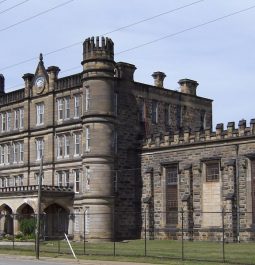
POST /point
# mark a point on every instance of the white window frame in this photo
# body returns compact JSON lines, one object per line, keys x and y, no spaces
{"x":2,"y":154}
{"x":8,"y":121}
{"x":60,"y":149}
{"x":77,"y":106}
{"x":21,"y":118}
{"x":154,"y":112}
{"x":40,"y":113}
{"x":3,"y":121}
{"x":88,"y":178}
{"x":8,"y":157}
{"x":15,"y":152}
{"x":67,"y":108}
{"x":77,"y":143}
{"x":66,"y":145}
{"x":21,"y":152}
{"x":39,"y":149}
{"x":87,"y":140}
{"x":77,"y":180}
{"x":16,"y":119}
{"x":60,"y":106}
{"x":87,"y":99}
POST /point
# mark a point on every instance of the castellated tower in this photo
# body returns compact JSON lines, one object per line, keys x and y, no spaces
{"x":99,"y":134}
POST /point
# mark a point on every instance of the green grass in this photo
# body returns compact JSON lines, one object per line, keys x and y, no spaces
{"x":158,"y":251}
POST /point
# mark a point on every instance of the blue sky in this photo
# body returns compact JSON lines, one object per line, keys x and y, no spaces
{"x":220,"y":55}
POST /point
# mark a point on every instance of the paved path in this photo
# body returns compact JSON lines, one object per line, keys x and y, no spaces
{"x":26,"y":260}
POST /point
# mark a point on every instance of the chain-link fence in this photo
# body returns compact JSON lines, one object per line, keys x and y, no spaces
{"x":186,"y":235}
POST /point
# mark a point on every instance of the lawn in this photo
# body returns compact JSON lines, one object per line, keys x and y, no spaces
{"x":157,"y":251}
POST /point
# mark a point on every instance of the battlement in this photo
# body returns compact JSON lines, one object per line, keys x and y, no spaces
{"x":200,"y":136}
{"x":98,"y":48}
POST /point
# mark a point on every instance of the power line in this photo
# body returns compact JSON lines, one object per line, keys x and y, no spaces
{"x":37,"y":15}
{"x":171,"y":35}
{"x":2,"y":1}
{"x":106,"y":33}
{"x":12,"y":7}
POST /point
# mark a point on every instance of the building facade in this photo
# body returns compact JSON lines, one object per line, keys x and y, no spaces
{"x":90,"y":133}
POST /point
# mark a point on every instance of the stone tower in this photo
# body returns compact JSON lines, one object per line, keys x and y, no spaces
{"x":99,"y":122}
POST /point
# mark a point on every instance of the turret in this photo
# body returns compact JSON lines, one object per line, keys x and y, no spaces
{"x":99,"y":129}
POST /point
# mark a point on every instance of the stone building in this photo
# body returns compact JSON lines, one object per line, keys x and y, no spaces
{"x":88,"y":132}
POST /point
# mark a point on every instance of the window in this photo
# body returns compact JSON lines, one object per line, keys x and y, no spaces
{"x":21,"y":152}
{"x":77,"y":143}
{"x":8,"y":122}
{"x":88,"y":177}
{"x":76,"y":180}
{"x":154,"y":115}
{"x":167,"y":114}
{"x":18,"y":180}
{"x":59,"y":146}
{"x":37,"y":177}
{"x":212,"y":171}
{"x":87,"y":99}
{"x":67,"y":108}
{"x":15,"y":152}
{"x":39,"y":114}
{"x":67,"y":178}
{"x":39,"y":149}
{"x":171,"y":175}
{"x":3,"y":123}
{"x":60,"y":108}
{"x":76,"y":106}
{"x":67,"y":145}
{"x":142,"y":110}
{"x":2,"y":154}
{"x":16,"y":119}
{"x":8,"y":161}
{"x":60,"y":178}
{"x":21,"y":118}
{"x":87,"y":143}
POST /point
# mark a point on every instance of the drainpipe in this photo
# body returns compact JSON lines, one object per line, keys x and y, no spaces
{"x":237,"y":194}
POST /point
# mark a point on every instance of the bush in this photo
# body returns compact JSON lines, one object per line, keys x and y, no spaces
{"x":27,"y":226}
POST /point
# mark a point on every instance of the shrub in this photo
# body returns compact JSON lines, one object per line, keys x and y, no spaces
{"x":27,"y":226}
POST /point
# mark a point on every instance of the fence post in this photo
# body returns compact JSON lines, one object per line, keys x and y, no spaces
{"x":223,"y":235}
{"x":145,"y":236}
{"x":84,"y":232}
{"x":113,"y":232}
{"x":182,"y":235}
{"x":13,"y":229}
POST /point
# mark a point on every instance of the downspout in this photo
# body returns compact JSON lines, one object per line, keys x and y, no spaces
{"x":237,"y":194}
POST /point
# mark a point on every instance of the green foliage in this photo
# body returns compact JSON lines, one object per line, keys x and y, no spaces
{"x":27,"y":226}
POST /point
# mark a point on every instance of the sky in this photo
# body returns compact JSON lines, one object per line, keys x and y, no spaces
{"x":220,"y":55}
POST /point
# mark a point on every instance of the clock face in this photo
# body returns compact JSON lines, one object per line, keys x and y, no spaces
{"x":40,"y":83}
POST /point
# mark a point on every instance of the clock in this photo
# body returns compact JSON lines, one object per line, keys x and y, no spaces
{"x":40,"y":84}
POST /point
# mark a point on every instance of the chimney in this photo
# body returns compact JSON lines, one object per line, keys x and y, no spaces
{"x":28,"y":79}
{"x":1,"y":84}
{"x":53,"y":76}
{"x":125,"y":71}
{"x":158,"y":79}
{"x":188,"y":86}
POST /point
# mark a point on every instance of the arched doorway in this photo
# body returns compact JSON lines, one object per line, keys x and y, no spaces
{"x":56,"y":221}
{"x":27,"y":221}
{"x":6,"y":220}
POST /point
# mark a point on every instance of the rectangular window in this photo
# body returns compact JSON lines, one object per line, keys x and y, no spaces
{"x":87,"y":143}
{"x":60,"y":179}
{"x":154,"y":114}
{"x":37,"y":176}
{"x":212,"y":171}
{"x":39,"y":114}
{"x":16,"y":119}
{"x":87,"y":99}
{"x":8,"y":122}
{"x":3,"y":127}
{"x":60,"y":106}
{"x":39,"y":149}
{"x":21,"y":118}
{"x":77,"y":181}
{"x":67,"y":178}
{"x":2,"y":154}
{"x":167,"y":114}
{"x":76,"y":106}
{"x":18,"y":180}
{"x":142,"y":110}
{"x":59,"y":146}
{"x":88,"y":178}
{"x":8,"y":154}
{"x":77,"y":144}
{"x":67,"y":145}
{"x":171,"y":175}
{"x":15,"y":152}
{"x":67,"y":108}
{"x":21,"y":152}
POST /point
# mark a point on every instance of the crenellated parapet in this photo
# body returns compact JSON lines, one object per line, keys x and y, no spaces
{"x":200,"y":136}
{"x":98,"y":48}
